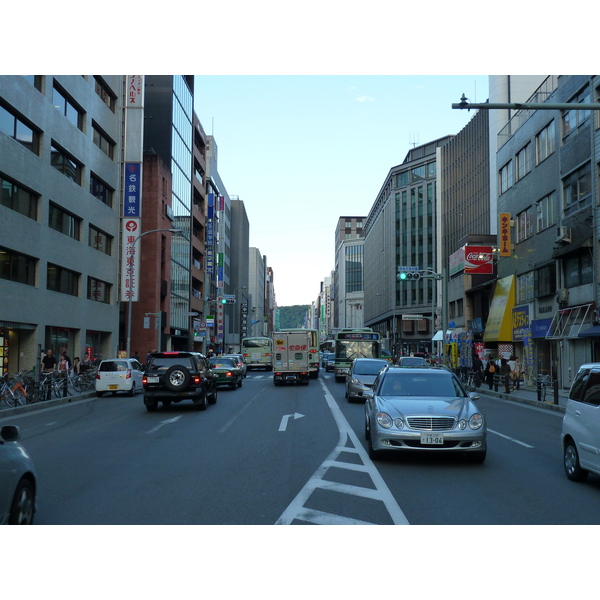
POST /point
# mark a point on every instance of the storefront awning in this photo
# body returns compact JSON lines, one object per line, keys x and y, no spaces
{"x":591,"y":332}
{"x":439,"y":336}
{"x":499,"y":323}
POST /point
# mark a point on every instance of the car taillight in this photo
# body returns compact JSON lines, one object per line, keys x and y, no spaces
{"x":197,"y":379}
{"x":128,"y":376}
{"x":229,"y":374}
{"x":144,"y":380}
{"x":98,"y":375}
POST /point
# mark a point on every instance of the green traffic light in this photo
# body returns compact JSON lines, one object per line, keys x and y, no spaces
{"x":402,"y":276}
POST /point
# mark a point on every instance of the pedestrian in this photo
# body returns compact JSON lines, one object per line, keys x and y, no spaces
{"x":513,"y":374}
{"x":505,"y":374}
{"x":477,"y":370}
{"x":518,"y":373}
{"x":137,"y":356}
{"x":86,"y":363}
{"x":48,"y":366}
{"x":63,"y":370}
{"x":75,"y":369}
{"x":490,"y":371}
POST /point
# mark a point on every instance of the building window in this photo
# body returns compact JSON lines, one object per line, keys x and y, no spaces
{"x":62,"y":280}
{"x":98,"y":291}
{"x":544,"y":143}
{"x":402,"y":179}
{"x":417,"y":174}
{"x":546,"y":212}
{"x":100,"y":241}
{"x":577,"y":190}
{"x":523,"y":224}
{"x":34,"y":80}
{"x":573,"y":119}
{"x":17,"y":267}
{"x":523,"y":162}
{"x":62,"y":221}
{"x":103,"y":142}
{"x":62,"y":162}
{"x":18,"y":199}
{"x":16,"y":129}
{"x":505,"y":177}
{"x":101,"y":191}
{"x":430,"y":170}
{"x":579,"y":270}
{"x":354,"y":268}
{"x":525,"y":288}
{"x":105,"y":93}
{"x":545,"y":281}
{"x":67,"y":107}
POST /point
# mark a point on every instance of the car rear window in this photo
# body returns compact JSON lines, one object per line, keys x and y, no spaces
{"x":369,"y":367}
{"x":222,"y":362}
{"x":166,"y":362}
{"x":114,"y":365}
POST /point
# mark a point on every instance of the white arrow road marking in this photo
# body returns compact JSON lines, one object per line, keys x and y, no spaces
{"x":284,"y":421}
{"x":167,"y":422}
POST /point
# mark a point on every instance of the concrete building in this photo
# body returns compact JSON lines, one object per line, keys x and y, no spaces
{"x":348,"y":279}
{"x":60,"y":145}
{"x":401,"y":231}
{"x":257,"y":316}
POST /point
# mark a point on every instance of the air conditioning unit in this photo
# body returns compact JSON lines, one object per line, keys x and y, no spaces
{"x":563,"y":234}
{"x":562,"y":296}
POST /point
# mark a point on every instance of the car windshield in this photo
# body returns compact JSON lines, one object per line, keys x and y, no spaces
{"x":368,"y":367}
{"x":399,"y":384}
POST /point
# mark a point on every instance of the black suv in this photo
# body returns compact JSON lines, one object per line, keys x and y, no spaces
{"x":176,"y":376}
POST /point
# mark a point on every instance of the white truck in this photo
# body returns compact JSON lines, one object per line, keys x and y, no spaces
{"x":291,"y":351}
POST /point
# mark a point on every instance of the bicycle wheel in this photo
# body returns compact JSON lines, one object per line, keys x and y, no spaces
{"x":79,"y":383}
{"x":20,"y":396}
{"x":8,"y":397}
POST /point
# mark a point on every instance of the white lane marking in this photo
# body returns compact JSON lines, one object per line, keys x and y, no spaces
{"x":286,"y":418}
{"x":166,"y":422}
{"x":296,"y":509}
{"x":506,"y":437}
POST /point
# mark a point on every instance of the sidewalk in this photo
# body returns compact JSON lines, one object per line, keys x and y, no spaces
{"x":529,"y":395}
{"x":6,"y":412}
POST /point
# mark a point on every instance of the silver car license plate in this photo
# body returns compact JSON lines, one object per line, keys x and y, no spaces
{"x":152,"y":380}
{"x":429,"y":438}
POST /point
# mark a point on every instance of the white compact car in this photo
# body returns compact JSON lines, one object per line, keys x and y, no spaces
{"x":581,"y":424}
{"x":119,"y":375}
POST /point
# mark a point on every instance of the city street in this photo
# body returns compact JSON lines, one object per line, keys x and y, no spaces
{"x":289,"y":455}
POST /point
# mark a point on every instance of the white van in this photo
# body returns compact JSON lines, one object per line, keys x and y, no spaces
{"x":581,"y":424}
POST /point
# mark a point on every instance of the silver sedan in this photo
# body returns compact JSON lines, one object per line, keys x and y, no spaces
{"x":423,"y":409}
{"x":361,"y":376}
{"x":17,"y":479}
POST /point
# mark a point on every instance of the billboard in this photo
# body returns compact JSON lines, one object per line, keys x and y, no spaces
{"x":479,"y":260}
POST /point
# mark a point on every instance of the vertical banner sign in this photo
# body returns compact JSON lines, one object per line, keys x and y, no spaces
{"x":131,"y":192}
{"x":505,"y":241}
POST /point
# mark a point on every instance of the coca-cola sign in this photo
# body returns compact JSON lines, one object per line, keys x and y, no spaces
{"x":479,"y":260}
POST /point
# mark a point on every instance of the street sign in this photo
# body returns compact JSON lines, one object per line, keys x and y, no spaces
{"x":411,"y":268}
{"x":412,"y":317}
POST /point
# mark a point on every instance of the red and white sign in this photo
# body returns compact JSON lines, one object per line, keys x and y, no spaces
{"x":479,"y":260}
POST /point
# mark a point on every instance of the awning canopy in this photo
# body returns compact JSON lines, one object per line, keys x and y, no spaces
{"x":568,"y":322}
{"x":438,"y":337}
{"x":591,"y":332}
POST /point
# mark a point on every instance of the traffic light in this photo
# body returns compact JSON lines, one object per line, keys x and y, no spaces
{"x":409,"y":275}
{"x":227,"y":300}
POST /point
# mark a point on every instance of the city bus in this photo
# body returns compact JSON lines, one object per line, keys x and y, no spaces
{"x":313,"y":355}
{"x":257,"y":352}
{"x":351,"y":344}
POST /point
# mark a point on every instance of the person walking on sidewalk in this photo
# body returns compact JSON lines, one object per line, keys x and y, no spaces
{"x":505,"y":374}
{"x":490,"y":371}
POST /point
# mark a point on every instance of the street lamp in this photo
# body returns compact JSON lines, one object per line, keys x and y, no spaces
{"x":131,"y":267}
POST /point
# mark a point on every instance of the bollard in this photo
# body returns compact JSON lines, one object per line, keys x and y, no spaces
{"x":555,"y":384}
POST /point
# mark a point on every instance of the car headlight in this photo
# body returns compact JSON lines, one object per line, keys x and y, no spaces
{"x":399,"y":423}
{"x":354,"y":381}
{"x":476,"y":421}
{"x":384,"y":420}
{"x":462,"y":424}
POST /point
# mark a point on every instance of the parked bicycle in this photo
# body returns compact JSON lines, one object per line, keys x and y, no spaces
{"x":56,"y":383}
{"x":85,"y":380}
{"x":12,"y":392}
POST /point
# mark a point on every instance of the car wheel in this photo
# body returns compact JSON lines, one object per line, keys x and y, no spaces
{"x":373,"y":454}
{"x":23,"y":504}
{"x":177,"y":378}
{"x":571,"y":461}
{"x":152,"y":407}
{"x":132,"y":390}
{"x":367,"y":428}
{"x":213,"y":396}
{"x":203,"y":404}
{"x":240,"y":382}
{"x":99,"y":394}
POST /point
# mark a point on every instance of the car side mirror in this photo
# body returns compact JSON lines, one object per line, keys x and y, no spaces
{"x":10,"y":433}
{"x":369,"y":395}
{"x":474,"y":396}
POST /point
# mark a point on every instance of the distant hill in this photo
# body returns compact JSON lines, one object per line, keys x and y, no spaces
{"x":292,"y":316}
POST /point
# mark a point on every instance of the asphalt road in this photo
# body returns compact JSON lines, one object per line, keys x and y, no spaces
{"x":289,"y":455}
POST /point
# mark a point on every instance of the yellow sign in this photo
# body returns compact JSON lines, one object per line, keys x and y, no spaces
{"x":504,"y":236}
{"x":499,"y":323}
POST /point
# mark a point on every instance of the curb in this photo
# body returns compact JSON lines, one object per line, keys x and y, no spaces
{"x":10,"y":412}
{"x":515,"y":397}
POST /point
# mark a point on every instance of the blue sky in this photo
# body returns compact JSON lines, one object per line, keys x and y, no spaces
{"x":301,"y":151}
